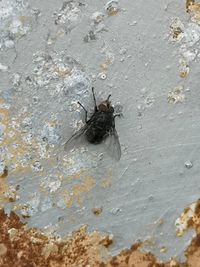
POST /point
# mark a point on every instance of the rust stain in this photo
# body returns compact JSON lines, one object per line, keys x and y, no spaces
{"x":176,"y":96}
{"x":76,"y":175}
{"x":7,"y":194}
{"x":194,"y":8}
{"x":175,"y":33}
{"x":15,"y":142}
{"x":25,"y":19}
{"x":62,"y":72}
{"x":107,"y":181}
{"x":68,"y":198}
{"x":104,"y":66}
{"x":76,"y":193}
{"x":186,"y":219}
{"x":183,"y":74}
{"x":163,"y":249}
{"x":97,"y":211}
{"x":113,"y":11}
{"x":189,"y":3}
{"x":107,"y":241}
{"x":4,"y":115}
{"x":193,"y":251}
{"x":5,"y":172}
{"x":3,"y":189}
{"x":21,"y":246}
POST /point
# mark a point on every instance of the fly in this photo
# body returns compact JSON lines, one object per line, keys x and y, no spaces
{"x":100,"y":127}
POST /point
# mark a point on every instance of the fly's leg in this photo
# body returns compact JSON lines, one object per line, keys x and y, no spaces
{"x":118,"y":115}
{"x":84,"y":110}
{"x":95,"y":103}
{"x":108,"y":97}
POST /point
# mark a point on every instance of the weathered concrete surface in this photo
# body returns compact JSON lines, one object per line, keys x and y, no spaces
{"x":51,"y":55}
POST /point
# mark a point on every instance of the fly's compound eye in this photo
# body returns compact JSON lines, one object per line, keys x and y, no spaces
{"x":111,"y":109}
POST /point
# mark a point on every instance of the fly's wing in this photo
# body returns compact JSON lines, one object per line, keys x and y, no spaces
{"x":75,"y":138}
{"x":113,"y":145}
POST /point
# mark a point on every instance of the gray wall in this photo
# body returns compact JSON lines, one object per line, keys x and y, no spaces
{"x":51,"y":54}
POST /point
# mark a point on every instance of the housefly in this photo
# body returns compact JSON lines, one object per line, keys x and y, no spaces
{"x":100,"y":127}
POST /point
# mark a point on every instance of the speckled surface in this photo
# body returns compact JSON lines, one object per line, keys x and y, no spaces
{"x":146,"y":54}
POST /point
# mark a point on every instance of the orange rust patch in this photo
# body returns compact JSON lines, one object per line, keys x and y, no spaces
{"x":107,"y":241}
{"x":192,"y":6}
{"x":20,"y":246}
{"x":3,"y":189}
{"x":191,"y":217}
{"x":189,"y":3}
{"x":5,"y":172}
{"x":194,"y":9}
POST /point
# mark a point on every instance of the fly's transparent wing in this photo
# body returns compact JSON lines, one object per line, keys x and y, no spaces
{"x":75,"y":138}
{"x":113,"y":145}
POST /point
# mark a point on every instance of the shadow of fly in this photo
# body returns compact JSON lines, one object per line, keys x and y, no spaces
{"x":100,"y":127}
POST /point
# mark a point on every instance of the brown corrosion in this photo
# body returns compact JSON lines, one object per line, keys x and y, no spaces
{"x":20,"y":246}
{"x":5,"y":172}
{"x":192,"y":6}
{"x":107,"y":241}
{"x":188,"y":4}
{"x":24,"y":247}
{"x":97,"y":211}
{"x":193,"y":251}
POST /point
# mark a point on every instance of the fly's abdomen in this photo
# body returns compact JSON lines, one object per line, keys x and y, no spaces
{"x":95,"y":135}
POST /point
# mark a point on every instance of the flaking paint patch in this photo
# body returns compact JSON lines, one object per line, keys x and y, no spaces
{"x":112,"y":7}
{"x":187,"y":36}
{"x":176,"y":30}
{"x":109,"y":58}
{"x":183,"y":222}
{"x":15,"y":145}
{"x":17,"y":20}
{"x":189,"y":218}
{"x":176,"y":95}
{"x":194,"y":9}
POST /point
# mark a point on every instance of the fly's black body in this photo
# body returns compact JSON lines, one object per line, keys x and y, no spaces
{"x":100,"y":127}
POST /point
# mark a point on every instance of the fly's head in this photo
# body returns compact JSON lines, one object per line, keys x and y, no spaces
{"x":106,"y":106}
